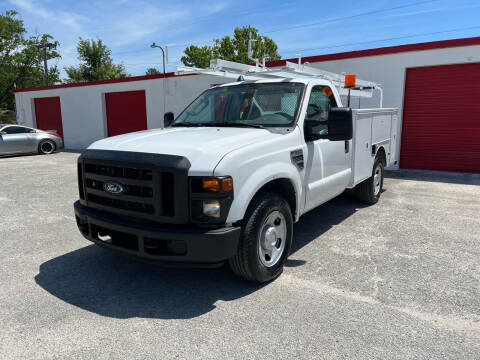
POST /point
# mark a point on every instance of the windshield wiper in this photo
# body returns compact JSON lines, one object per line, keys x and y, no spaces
{"x":187,"y":124}
{"x":240,"y":124}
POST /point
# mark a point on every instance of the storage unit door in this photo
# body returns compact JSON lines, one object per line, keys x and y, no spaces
{"x":441,"y":118}
{"x":126,"y":112}
{"x":48,"y":114}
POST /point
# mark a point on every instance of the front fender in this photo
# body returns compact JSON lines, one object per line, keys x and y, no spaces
{"x":255,"y":181}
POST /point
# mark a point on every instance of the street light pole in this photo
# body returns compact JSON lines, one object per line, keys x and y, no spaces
{"x":163,"y":54}
{"x":164,"y":79}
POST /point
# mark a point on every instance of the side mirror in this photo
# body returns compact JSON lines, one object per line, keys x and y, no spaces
{"x":339,"y":126}
{"x":3,"y":133}
{"x":168,"y":119}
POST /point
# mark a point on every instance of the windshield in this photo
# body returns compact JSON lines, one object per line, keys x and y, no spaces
{"x":252,"y":104}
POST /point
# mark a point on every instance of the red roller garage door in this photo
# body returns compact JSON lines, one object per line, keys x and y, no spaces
{"x":441,"y":118}
{"x":126,"y":112}
{"x":48,"y":114}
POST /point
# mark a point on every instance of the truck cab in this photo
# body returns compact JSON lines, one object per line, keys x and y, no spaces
{"x":232,"y":173}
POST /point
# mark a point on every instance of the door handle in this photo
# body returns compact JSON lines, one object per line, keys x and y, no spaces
{"x":347,"y":146}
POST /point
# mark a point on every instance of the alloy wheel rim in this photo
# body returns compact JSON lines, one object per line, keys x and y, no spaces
{"x":273,"y":235}
{"x":47,"y":147}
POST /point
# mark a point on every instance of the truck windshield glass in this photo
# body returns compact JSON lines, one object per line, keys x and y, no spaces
{"x":253,"y":104}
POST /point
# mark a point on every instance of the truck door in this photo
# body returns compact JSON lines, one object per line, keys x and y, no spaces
{"x":327,"y":169}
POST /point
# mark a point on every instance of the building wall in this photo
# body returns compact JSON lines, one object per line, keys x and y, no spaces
{"x":83,"y":107}
{"x":390,"y":70}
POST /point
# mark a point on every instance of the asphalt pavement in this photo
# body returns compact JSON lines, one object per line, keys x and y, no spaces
{"x":397,"y":280}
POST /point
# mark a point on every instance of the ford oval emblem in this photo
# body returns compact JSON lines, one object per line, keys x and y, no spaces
{"x":113,"y":187}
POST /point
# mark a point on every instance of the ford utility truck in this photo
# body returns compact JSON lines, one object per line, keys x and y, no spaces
{"x":236,"y":169}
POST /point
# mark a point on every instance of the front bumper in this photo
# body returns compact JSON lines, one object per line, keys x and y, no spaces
{"x":189,"y":246}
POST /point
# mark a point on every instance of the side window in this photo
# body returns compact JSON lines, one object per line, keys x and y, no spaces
{"x":15,"y":130}
{"x":320,"y":103}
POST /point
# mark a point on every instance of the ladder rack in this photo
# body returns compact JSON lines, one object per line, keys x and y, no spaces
{"x":233,"y":70}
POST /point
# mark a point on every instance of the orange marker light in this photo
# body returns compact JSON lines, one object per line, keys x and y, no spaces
{"x":350,"y":80}
{"x":211,"y":185}
{"x":227,"y":184}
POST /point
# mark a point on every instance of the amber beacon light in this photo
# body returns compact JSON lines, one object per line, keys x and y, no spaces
{"x":350,"y":80}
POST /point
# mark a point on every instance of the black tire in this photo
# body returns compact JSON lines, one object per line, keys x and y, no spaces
{"x":246,"y":263}
{"x":46,"y":147}
{"x":365,"y":191}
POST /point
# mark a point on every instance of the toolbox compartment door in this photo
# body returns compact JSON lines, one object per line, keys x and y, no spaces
{"x":372,"y":128}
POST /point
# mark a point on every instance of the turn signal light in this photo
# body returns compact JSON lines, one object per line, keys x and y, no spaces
{"x":211,"y":185}
{"x":227,"y":184}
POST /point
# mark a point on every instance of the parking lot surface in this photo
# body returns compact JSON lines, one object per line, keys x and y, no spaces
{"x":397,"y":280}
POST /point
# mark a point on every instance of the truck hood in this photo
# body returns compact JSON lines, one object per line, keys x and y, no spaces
{"x":204,"y":147}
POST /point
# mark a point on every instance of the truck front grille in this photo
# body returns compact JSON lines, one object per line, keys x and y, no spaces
{"x":148,"y":190}
{"x":121,"y":204}
{"x":119,"y":172}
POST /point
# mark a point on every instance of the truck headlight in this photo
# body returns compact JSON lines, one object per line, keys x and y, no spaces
{"x":211,"y":208}
{"x":210,"y":198}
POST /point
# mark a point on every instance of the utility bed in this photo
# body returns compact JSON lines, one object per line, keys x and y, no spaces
{"x":372,"y":128}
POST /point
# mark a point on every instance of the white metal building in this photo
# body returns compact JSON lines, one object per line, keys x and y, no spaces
{"x":436,"y":85}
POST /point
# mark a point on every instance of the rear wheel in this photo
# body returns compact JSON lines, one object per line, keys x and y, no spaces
{"x":369,"y":190}
{"x":266,"y":239}
{"x":46,"y":147}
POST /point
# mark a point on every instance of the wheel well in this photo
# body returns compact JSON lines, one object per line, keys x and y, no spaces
{"x":284,"y":188}
{"x":382,"y":155}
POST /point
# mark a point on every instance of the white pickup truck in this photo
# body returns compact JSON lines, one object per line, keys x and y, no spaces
{"x":233,"y":172}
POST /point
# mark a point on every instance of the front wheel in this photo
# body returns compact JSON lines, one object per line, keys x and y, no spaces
{"x":46,"y":147}
{"x":266,"y":239}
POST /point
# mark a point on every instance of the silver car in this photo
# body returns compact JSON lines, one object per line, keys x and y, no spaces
{"x":17,"y":139}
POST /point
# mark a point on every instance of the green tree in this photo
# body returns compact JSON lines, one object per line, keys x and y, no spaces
{"x":21,"y":62}
{"x":96,"y":63}
{"x":232,"y":48}
{"x":152,"y":71}
{"x":198,"y":56}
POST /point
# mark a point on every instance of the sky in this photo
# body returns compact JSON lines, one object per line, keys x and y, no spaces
{"x":306,"y":27}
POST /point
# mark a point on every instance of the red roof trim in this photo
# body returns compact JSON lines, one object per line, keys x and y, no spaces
{"x":384,"y":50}
{"x":318,"y":58}
{"x":102,"y":82}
